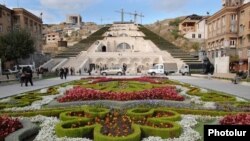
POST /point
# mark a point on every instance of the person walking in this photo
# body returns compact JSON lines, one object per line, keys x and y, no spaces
{"x":66,"y":71}
{"x":29,"y":76}
{"x":61,"y":73}
{"x":22,"y":77}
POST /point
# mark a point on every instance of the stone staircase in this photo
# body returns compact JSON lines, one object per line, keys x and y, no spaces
{"x":163,"y":44}
{"x":76,"y":62}
{"x":83,"y":45}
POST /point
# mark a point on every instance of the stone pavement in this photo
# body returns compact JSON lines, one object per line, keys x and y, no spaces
{"x":213,"y":84}
{"x":239,"y":90}
{"x":14,"y":89}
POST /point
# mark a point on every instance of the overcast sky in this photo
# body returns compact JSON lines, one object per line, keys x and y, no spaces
{"x":55,"y":11}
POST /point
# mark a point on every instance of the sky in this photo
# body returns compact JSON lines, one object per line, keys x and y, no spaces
{"x":104,"y":11}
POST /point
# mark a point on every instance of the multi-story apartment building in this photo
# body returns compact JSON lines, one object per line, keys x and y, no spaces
{"x":20,"y":18}
{"x":25,"y":20}
{"x":229,"y":31}
{"x":5,"y":19}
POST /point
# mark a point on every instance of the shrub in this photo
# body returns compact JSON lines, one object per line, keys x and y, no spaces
{"x":140,"y":113}
{"x":96,"y":112}
{"x":64,"y":129}
{"x":171,"y":132}
{"x":174,"y":116}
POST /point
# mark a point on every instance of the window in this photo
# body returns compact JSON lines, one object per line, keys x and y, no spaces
{"x":199,"y":35}
{"x":1,"y":28}
{"x":123,"y":46}
{"x":232,"y":42}
{"x":193,"y":35}
{"x":1,"y":12}
{"x":242,"y":28}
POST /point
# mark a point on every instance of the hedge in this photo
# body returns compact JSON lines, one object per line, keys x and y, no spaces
{"x":140,"y":112}
{"x":135,"y":136}
{"x":64,"y":116}
{"x":63,"y":129}
{"x":96,"y":112}
{"x":164,"y":133}
{"x":175,"y":117}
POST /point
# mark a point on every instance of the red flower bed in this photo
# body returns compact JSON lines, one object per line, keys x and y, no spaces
{"x":140,"y":79}
{"x":82,"y":94}
{"x":8,"y":125}
{"x":239,"y":119}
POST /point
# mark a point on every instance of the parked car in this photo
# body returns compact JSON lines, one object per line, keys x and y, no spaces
{"x":112,"y":71}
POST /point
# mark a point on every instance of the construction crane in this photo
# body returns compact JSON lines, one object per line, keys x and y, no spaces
{"x":122,"y":15}
{"x":136,"y":15}
{"x":129,"y":13}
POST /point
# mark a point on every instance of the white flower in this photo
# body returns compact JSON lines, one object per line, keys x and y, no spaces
{"x":209,"y":105}
{"x":203,"y":90}
{"x":45,"y":90}
{"x":240,"y":99}
{"x":5,"y":100}
{"x":36,"y":104}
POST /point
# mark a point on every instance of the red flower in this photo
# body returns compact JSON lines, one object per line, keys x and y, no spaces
{"x":81,"y":94}
{"x":8,"y":125}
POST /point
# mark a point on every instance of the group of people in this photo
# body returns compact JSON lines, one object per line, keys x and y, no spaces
{"x":26,"y":76}
{"x":63,"y":72}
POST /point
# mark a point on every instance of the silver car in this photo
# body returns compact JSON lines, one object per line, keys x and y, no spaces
{"x":112,"y":71}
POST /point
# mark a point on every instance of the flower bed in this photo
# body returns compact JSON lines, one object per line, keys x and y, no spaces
{"x":82,"y":94}
{"x":8,"y":125}
{"x":74,"y":128}
{"x":163,"y":129}
{"x":85,"y":113}
{"x":140,"y":79}
{"x":239,"y":119}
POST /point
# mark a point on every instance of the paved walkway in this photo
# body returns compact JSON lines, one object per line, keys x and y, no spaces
{"x":218,"y":85}
{"x":15,"y":89}
{"x":214,"y":84}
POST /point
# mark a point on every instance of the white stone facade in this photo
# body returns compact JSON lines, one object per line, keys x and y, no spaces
{"x":122,"y":44}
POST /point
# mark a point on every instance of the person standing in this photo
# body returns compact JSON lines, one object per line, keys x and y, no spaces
{"x":66,"y":71}
{"x":22,"y":77}
{"x":61,"y":73}
{"x":29,"y":76}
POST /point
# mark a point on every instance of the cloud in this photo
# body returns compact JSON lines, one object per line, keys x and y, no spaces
{"x":170,"y":5}
{"x":67,"y":5}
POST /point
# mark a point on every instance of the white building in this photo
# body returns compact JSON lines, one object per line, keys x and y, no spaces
{"x":194,"y":27}
{"x":74,"y":19}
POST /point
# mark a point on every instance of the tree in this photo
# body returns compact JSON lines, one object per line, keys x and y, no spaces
{"x":16,"y":44}
{"x":175,"y":23}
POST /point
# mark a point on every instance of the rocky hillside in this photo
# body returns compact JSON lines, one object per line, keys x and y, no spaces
{"x":168,"y":29}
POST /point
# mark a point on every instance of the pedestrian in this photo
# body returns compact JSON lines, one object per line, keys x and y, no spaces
{"x":89,"y":71}
{"x":28,"y":76}
{"x":61,"y":73}
{"x":71,"y":71}
{"x":22,"y":77}
{"x":80,"y":72}
{"x":66,"y":71}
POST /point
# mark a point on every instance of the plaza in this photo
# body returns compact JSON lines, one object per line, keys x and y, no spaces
{"x":155,"y":89}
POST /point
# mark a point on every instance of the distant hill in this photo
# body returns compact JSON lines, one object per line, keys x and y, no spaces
{"x":168,"y":29}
